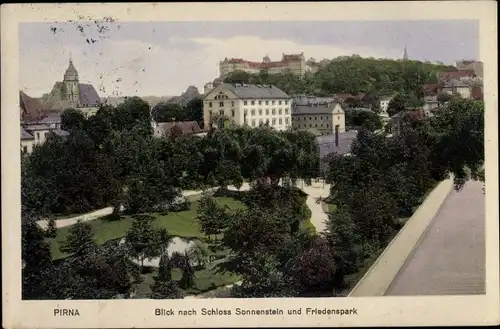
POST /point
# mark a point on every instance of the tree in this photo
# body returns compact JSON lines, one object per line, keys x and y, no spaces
{"x":164,"y":112}
{"x":51,"y":231}
{"x":72,"y":119}
{"x":403,"y":102}
{"x":363,"y":118}
{"x":199,"y":252}
{"x":187,"y":279}
{"x":80,"y":239}
{"x":163,"y":286}
{"x":194,"y":111}
{"x":141,"y":239}
{"x":314,"y":269}
{"x":211,"y":217}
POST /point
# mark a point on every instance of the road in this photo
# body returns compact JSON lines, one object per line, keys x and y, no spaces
{"x":450,"y":257}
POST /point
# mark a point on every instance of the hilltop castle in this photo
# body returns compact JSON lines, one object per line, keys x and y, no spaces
{"x":296,"y":63}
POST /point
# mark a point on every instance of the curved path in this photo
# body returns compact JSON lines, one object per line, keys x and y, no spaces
{"x":450,"y":258}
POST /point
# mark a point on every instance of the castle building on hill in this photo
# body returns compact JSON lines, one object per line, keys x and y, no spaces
{"x":296,"y":63}
{"x":70,"y":93}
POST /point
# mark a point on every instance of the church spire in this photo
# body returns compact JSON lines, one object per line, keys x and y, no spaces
{"x":405,"y":54}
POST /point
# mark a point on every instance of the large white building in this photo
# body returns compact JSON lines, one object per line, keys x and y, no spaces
{"x":251,"y":105}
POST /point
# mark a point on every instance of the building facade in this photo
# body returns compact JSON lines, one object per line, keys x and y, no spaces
{"x":250,"y":105}
{"x":70,"y":93}
{"x":323,"y":116}
{"x":295,"y":63}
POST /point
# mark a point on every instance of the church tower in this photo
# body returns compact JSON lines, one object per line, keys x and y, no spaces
{"x":71,"y":85}
{"x":405,"y":54}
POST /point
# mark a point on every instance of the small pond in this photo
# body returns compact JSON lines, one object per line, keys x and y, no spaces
{"x":177,"y":245}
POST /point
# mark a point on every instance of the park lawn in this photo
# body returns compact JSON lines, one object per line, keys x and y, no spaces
{"x":181,"y":224}
{"x":328,"y":207}
{"x":205,"y":280}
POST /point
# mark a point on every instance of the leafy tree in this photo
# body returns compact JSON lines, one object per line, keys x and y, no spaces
{"x":362,"y":118}
{"x":72,"y":119}
{"x":80,"y":239}
{"x":403,"y":102}
{"x":211,"y":217}
{"x":199,"y":252}
{"x":141,"y":239}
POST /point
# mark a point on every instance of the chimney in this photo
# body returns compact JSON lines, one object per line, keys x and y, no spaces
{"x":336,"y":135}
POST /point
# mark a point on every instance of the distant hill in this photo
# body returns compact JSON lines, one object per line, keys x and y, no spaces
{"x":151,"y":100}
{"x":187,"y":96}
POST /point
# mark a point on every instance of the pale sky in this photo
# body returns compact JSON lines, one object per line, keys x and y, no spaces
{"x":164,"y":58}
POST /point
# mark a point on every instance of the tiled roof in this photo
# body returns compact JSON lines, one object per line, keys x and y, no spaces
{"x":311,"y":109}
{"x":455,"y":83}
{"x":31,"y":108}
{"x":307,"y":100}
{"x":60,"y":132}
{"x":51,"y":118}
{"x":88,"y":95}
{"x":327,"y":143}
{"x":187,"y":127}
{"x":443,"y":76}
{"x":25,"y":135}
{"x":37,"y":126}
{"x":246,"y":91}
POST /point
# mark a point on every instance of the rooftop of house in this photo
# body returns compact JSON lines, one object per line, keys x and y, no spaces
{"x":31,"y":108}
{"x":186,"y":127}
{"x":248,"y":91}
{"x":26,"y":135}
{"x":455,"y":83}
{"x":36,"y":126}
{"x":442,"y":76}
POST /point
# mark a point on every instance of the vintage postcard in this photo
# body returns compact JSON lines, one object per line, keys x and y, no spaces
{"x":249,"y":164}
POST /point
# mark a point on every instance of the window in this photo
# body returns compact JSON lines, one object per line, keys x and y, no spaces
{"x":267,"y":121}
{"x":267,"y":111}
{"x":310,"y":125}
{"x":327,"y":125}
{"x":221,"y":104}
{"x":273,"y":102}
{"x":273,"y":111}
{"x":310,"y":118}
{"x":286,"y":111}
{"x":279,"y":111}
{"x":267,"y":102}
{"x":286,"y":102}
{"x":253,"y":102}
{"x":245,"y":102}
{"x":253,"y":122}
{"x":260,"y":102}
{"x":253,"y":112}
{"x":274,"y":121}
{"x":279,"y":102}
{"x":286,"y":121}
{"x":45,"y":135}
{"x":280,"y":121}
{"x":25,"y":149}
{"x":209,"y":104}
{"x":260,"y":121}
{"x":321,"y":125}
{"x":232,"y":113}
{"x":260,"y":111}
{"x":221,"y":112}
{"x":37,"y":135}
{"x":315,"y":125}
{"x":338,"y":117}
{"x":232,"y":103}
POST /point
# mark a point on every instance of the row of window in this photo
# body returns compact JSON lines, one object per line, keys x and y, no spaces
{"x":273,"y":122}
{"x":221,"y":104}
{"x":273,"y":112}
{"x":305,"y":125}
{"x":315,"y":118}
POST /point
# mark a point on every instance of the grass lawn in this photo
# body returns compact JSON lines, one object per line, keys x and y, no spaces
{"x":182,"y":224}
{"x":328,"y":207}
{"x":205,"y":280}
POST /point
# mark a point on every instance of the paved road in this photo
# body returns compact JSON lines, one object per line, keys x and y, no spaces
{"x":450,"y":258}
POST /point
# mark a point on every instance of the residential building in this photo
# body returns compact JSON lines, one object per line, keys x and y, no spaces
{"x":251,"y":105}
{"x":318,"y":114}
{"x":36,"y":123}
{"x":471,"y":65}
{"x":70,"y":93}
{"x":295,"y":63}
{"x":444,"y":77}
{"x":455,"y":86}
